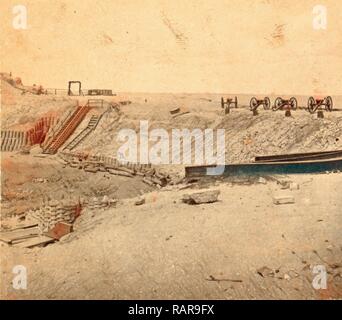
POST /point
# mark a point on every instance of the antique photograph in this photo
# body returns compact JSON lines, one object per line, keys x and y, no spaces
{"x":171,"y":150}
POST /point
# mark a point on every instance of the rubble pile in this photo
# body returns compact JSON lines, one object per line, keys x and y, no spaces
{"x":247,"y":138}
{"x":96,"y":163}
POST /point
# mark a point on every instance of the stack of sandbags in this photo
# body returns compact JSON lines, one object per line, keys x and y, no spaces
{"x":52,"y":213}
{"x":98,"y":203}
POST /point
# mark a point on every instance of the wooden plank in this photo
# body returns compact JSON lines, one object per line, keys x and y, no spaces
{"x":180,"y":114}
{"x":37,"y":241}
{"x":23,"y":226}
{"x":11,"y":240}
{"x":9,"y":236}
{"x":300,"y":156}
{"x":283,"y":199}
{"x":21,"y":232}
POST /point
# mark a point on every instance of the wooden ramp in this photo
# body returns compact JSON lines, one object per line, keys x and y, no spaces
{"x":65,"y":129}
{"x":93,"y":122}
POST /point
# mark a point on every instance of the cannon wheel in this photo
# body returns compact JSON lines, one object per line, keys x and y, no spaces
{"x":311,"y":104}
{"x":267,"y":103}
{"x":253,"y":104}
{"x":277,"y":104}
{"x":294,"y":103}
{"x":328,"y":104}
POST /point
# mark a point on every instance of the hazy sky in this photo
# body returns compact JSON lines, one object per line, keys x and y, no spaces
{"x":242,"y":46}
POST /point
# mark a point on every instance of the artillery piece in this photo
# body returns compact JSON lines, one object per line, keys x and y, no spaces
{"x":225,"y":104}
{"x":315,"y":104}
{"x":281,"y":104}
{"x":255,"y":103}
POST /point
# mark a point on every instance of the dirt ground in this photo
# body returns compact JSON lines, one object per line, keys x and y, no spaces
{"x":28,"y":181}
{"x":164,"y":248}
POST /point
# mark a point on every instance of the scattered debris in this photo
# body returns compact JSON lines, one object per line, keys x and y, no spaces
{"x":294,"y":186}
{"x":262,"y":180}
{"x":140,"y":201}
{"x":266,"y":272}
{"x":120,"y":173}
{"x":330,"y":248}
{"x":159,"y":181}
{"x":283,"y":200}
{"x":174,"y":111}
{"x":287,"y":277}
{"x":186,"y":186}
{"x":40,"y":180}
{"x":180,"y":114}
{"x":201,"y":197}
{"x":306,"y":267}
{"x":293,"y":274}
{"x":148,"y":181}
{"x":284,"y":184}
{"x":192,"y":180}
{"x":125,"y":102}
{"x":94,"y":164}
{"x":212,"y":278}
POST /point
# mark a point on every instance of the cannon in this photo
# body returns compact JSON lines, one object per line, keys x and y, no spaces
{"x":226,"y":104}
{"x":255,"y":103}
{"x":281,"y":104}
{"x":315,"y":104}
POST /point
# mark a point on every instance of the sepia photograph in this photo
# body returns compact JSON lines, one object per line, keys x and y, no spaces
{"x":162,"y":150}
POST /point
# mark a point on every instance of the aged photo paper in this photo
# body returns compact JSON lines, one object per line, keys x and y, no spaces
{"x":177,"y":149}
